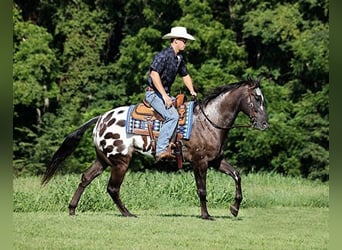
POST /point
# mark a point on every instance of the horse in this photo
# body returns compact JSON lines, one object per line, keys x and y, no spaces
{"x":213,"y":117}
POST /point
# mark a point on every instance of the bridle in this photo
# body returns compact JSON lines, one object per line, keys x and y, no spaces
{"x":252,"y":115}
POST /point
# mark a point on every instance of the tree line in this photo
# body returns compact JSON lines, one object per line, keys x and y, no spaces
{"x":75,"y":59}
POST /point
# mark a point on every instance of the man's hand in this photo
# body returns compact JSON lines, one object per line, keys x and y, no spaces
{"x":167,"y":101}
{"x":193,"y":93}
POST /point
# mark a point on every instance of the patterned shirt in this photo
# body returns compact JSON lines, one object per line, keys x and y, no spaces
{"x":168,"y":65}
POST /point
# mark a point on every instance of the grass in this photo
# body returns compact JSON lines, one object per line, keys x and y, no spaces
{"x":155,"y":189}
{"x":175,"y":228}
{"x":277,"y":213}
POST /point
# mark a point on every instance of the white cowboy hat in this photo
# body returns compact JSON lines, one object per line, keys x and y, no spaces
{"x":178,"y":32}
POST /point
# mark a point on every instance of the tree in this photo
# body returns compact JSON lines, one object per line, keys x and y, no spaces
{"x":76,"y":59}
{"x":35,"y":69}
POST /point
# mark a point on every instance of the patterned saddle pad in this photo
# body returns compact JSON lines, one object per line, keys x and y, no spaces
{"x":138,"y":116}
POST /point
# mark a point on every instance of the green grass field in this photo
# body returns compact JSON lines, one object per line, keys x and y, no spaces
{"x":277,"y":213}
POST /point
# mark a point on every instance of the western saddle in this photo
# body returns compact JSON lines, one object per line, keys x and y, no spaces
{"x":144,"y":112}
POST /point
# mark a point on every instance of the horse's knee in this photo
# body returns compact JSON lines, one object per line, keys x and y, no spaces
{"x":85,"y":181}
{"x":238,"y":198}
{"x":114,"y":192}
{"x":202,"y":194}
{"x":236,"y":175}
{"x":91,"y":173}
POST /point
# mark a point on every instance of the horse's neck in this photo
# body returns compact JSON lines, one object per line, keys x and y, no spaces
{"x":214,"y":120}
{"x":224,"y":109}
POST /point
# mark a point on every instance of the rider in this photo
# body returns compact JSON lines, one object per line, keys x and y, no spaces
{"x":162,"y":73}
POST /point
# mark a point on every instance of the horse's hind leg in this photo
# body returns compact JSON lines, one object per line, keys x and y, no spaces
{"x":226,"y":168}
{"x":118,"y":171}
{"x":87,"y":177}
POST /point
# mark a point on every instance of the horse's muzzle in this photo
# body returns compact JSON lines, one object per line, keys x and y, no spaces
{"x":261,"y":126}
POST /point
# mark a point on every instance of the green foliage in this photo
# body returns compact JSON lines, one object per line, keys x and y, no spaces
{"x":132,"y":66}
{"x":73,"y":60}
{"x":34,"y":64}
{"x":311,"y":53}
{"x":274,"y":24}
{"x":35,"y":69}
{"x":312,"y":117}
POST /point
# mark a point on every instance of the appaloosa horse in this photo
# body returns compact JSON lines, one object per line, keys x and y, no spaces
{"x":212,"y":119}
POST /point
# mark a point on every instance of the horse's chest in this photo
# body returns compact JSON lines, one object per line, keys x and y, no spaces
{"x":203,"y":144}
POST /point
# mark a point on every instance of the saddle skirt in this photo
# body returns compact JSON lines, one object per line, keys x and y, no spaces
{"x":140,"y":115}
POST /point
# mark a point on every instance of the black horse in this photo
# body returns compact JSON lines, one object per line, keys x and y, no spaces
{"x":212,"y":119}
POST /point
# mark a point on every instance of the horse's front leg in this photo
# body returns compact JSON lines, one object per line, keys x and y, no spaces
{"x":226,"y":168}
{"x":200,"y":171}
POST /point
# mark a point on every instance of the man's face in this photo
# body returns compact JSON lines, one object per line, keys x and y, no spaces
{"x":181,"y":43}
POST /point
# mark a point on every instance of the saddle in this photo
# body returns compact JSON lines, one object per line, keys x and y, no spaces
{"x":144,"y":112}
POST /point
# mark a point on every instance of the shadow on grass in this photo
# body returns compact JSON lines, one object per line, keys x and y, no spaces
{"x":175,"y":215}
{"x":199,"y":217}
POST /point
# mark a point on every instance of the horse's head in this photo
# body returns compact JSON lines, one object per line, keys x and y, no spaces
{"x":254,"y":105}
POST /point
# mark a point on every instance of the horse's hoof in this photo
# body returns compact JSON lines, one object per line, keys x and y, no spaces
{"x":130,"y":215}
{"x":208,"y":217}
{"x":234,"y":211}
{"x":72,"y":212}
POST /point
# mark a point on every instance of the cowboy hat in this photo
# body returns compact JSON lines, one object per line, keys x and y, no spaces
{"x":178,"y":32}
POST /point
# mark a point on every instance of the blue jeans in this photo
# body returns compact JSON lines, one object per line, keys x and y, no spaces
{"x":170,"y":119}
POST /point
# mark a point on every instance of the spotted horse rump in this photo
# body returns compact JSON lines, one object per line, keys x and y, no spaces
{"x":109,"y":133}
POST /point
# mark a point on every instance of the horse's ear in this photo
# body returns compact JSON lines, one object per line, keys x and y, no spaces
{"x":258,"y":81}
{"x":250,"y":81}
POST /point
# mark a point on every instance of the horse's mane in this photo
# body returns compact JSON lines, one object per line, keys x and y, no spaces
{"x":226,"y":88}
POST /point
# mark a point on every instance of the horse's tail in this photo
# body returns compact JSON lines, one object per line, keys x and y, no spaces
{"x":68,"y":146}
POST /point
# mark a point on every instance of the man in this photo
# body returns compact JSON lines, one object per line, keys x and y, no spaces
{"x":162,"y":73}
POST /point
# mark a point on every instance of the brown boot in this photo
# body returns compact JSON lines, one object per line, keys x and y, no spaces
{"x":165,"y":155}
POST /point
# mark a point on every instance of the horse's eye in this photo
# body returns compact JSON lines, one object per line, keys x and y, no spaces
{"x":258,"y":98}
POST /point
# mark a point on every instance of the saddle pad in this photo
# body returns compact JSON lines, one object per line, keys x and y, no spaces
{"x":136,"y":126}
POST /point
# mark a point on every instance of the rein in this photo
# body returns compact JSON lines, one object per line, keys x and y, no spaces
{"x":215,"y":125}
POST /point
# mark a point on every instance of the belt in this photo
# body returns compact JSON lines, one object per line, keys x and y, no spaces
{"x":148,"y":88}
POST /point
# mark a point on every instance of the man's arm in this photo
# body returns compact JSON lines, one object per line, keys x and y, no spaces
{"x":159,"y":86}
{"x":188,"y":83}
